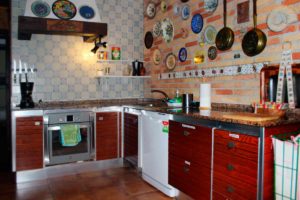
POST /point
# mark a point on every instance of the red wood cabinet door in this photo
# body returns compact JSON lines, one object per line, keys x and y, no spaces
{"x":131,"y":137}
{"x":29,"y":143}
{"x":190,"y":159}
{"x":107,"y":134}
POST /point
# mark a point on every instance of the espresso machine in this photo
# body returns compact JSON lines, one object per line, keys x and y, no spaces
{"x":26,"y":94}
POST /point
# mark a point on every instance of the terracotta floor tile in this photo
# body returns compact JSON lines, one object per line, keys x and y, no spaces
{"x":152,"y":196}
{"x":34,"y":193}
{"x":137,"y":187}
{"x":91,"y":174}
{"x":97,"y":182}
{"x":109,"y":193}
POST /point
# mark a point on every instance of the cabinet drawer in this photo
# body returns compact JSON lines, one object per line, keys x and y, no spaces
{"x":190,"y":178}
{"x":233,"y":189}
{"x":190,"y":142}
{"x":106,"y":116}
{"x":236,"y":144}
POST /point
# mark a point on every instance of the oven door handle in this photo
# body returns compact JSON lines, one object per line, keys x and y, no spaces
{"x":57,"y":128}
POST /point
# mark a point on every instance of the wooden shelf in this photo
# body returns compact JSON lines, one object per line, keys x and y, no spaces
{"x":32,"y":25}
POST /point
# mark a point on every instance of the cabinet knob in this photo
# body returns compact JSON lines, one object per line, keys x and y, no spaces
{"x":230,"y":167}
{"x":37,"y":123}
{"x":100,"y":118}
{"x":230,"y":145}
{"x":230,"y":189}
{"x":186,"y":133}
{"x":186,"y":168}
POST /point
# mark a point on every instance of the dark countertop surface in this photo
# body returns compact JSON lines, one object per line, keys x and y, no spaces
{"x":216,"y":113}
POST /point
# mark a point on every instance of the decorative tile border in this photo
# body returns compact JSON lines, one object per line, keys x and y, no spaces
{"x":216,"y":71}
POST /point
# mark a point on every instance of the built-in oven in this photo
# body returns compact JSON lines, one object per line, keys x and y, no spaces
{"x":68,"y":136}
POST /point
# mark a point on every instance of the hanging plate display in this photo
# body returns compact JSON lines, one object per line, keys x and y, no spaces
{"x":148,"y":40}
{"x":182,"y":54}
{"x":171,"y":61}
{"x":199,"y":57}
{"x":197,"y":23}
{"x":176,"y":9}
{"x":185,"y":12}
{"x":163,"y":6}
{"x":64,"y":9}
{"x":210,"y":5}
{"x":157,"y":31}
{"x":210,"y":33}
{"x":212,"y":52}
{"x":40,"y":8}
{"x":156,"y":57}
{"x":150,"y":10}
{"x":87,"y":12}
{"x":167,"y":30}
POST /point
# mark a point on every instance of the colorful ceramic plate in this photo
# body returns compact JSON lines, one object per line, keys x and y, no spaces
{"x":167,"y":30}
{"x":150,"y":10}
{"x":182,"y":54}
{"x":176,"y":9}
{"x":185,"y":12}
{"x":64,"y":9}
{"x":157,"y":31}
{"x":156,"y":57}
{"x":148,"y":40}
{"x":40,"y":8}
{"x":184,"y":1}
{"x":163,"y":6}
{"x":212,"y":52}
{"x":87,"y":12}
{"x":199,"y":57}
{"x":197,"y":23}
{"x":210,"y":33}
{"x":171,"y":61}
{"x":210,"y":5}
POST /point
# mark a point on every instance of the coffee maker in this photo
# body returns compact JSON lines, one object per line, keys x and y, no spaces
{"x":137,"y":66}
{"x":26,"y":95}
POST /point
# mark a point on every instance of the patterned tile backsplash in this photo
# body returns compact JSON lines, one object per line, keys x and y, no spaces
{"x":66,"y":69}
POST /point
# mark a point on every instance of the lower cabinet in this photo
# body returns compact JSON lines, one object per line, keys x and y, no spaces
{"x":235,"y":165}
{"x":107,"y":135}
{"x":131,"y":138}
{"x":29,"y":143}
{"x":190,"y":159}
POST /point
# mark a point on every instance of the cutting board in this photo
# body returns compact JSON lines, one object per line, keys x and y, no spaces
{"x":252,"y":117}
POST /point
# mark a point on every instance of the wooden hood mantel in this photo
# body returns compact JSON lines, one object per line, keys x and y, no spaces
{"x":32,"y":25}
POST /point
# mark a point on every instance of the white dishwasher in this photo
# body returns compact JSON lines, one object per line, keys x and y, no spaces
{"x":155,"y":145}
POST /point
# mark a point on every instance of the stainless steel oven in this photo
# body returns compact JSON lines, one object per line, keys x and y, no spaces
{"x":57,"y":152}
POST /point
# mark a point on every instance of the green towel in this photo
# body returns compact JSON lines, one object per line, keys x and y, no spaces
{"x":69,"y":135}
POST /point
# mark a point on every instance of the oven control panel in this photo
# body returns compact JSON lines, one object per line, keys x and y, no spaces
{"x":61,"y":118}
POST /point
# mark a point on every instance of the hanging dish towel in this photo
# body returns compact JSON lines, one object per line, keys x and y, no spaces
{"x":69,"y":135}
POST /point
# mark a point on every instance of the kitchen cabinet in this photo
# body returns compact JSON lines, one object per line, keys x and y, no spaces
{"x":29,"y":143}
{"x":107,"y":135}
{"x":235,"y":165}
{"x":190,"y":159}
{"x":131,"y":138}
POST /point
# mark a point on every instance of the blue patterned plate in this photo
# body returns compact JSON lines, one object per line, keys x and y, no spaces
{"x":182,"y":54}
{"x":40,"y":8}
{"x":87,"y":12}
{"x":197,"y":23}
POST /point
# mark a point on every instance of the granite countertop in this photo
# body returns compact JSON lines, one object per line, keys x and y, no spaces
{"x":216,"y":113}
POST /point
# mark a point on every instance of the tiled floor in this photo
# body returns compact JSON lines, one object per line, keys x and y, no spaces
{"x":122,"y":183}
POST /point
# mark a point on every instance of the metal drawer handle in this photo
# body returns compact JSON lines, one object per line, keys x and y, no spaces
{"x":230,"y":167}
{"x":188,"y":126}
{"x":101,"y":118}
{"x":37,"y":123}
{"x":186,"y":133}
{"x":230,"y":189}
{"x":230,"y":145}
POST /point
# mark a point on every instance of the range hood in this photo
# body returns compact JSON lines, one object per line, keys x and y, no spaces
{"x":32,"y":25}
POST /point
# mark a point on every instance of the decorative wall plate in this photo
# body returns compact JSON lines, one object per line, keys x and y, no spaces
{"x":212,"y":52}
{"x":156,"y":57}
{"x":64,"y":9}
{"x":170,"y":61}
{"x":199,"y":57}
{"x":210,"y":5}
{"x":185,"y":12}
{"x":167,"y":30}
{"x":157,"y":31}
{"x":197,"y":23}
{"x":210,"y":33}
{"x":182,"y":54}
{"x":150,"y":10}
{"x":40,"y":8}
{"x":176,"y":9}
{"x":148,"y":40}
{"x":87,"y":12}
{"x":184,"y":1}
{"x":163,"y":6}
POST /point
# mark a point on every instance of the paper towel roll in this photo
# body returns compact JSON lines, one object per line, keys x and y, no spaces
{"x":205,"y":95}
